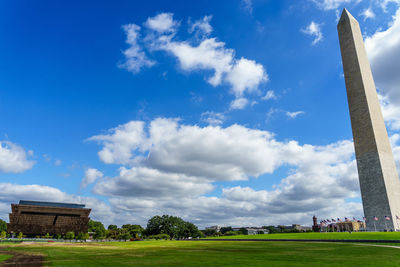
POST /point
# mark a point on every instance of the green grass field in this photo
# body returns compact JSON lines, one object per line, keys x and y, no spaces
{"x":4,"y":257}
{"x":341,"y":235}
{"x":211,"y":253}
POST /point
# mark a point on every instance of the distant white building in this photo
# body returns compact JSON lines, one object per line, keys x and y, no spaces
{"x":214,"y":227}
{"x":252,"y":230}
{"x":256,"y":231}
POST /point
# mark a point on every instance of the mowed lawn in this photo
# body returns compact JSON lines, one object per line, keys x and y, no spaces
{"x":212,"y":253}
{"x":340,"y":235}
{"x":4,"y":257}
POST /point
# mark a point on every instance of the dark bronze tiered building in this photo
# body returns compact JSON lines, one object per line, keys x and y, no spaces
{"x":38,"y":218}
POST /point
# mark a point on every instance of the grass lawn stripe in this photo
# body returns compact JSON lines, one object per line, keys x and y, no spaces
{"x":334,"y":236}
{"x":4,"y":257}
{"x":214,"y":253}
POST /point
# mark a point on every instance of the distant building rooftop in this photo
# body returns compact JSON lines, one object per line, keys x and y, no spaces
{"x":51,"y":204}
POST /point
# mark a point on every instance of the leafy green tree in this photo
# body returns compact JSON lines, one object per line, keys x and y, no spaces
{"x":271,"y":229}
{"x":243,"y":231}
{"x":200,"y":234}
{"x":159,"y":236}
{"x":3,"y":234}
{"x":20,"y":235}
{"x":134,"y":230}
{"x":82,"y":236}
{"x":79,"y":236}
{"x":113,"y":234}
{"x":3,"y":226}
{"x":112,"y":227}
{"x":123,"y":234}
{"x":70,"y":235}
{"x":173,"y":226}
{"x":98,"y":229}
{"x":188,"y":229}
{"x":232,"y":233}
{"x":210,"y":232}
{"x":47,"y":236}
{"x":225,"y":229}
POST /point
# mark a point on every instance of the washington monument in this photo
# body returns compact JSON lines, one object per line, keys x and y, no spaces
{"x":379,"y":181}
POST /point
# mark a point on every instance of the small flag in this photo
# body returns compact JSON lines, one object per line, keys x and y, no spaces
{"x":354,"y":219}
{"x":339,"y":220}
{"x":387,"y":218}
{"x":346,"y":219}
{"x":375,"y":218}
{"x":329,"y":220}
{"x":333,"y":220}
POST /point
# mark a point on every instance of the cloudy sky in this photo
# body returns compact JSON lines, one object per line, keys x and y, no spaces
{"x":220,"y":112}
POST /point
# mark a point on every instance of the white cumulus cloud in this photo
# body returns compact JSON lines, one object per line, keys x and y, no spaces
{"x":202,"y":26}
{"x":162,"y":23}
{"x":177,"y":166}
{"x":368,"y":14}
{"x":151,"y":182}
{"x":206,"y":54}
{"x":333,"y":4}
{"x":118,"y":145}
{"x":246,"y":75}
{"x":210,"y":54}
{"x":385,"y":3}
{"x":213,"y":118}
{"x":314,"y":29}
{"x":14,"y":158}
{"x":383,"y":49}
{"x":269,"y":95}
{"x":211,"y":152}
{"x":294,"y":114}
{"x":239,"y":103}
{"x":135,"y":57}
{"x":91,"y":175}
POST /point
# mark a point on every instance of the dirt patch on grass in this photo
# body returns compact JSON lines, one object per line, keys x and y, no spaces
{"x":22,"y":259}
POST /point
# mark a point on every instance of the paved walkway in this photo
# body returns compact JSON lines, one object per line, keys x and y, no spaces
{"x":372,"y":245}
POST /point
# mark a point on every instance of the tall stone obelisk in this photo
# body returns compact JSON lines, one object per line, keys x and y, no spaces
{"x":379,"y":180}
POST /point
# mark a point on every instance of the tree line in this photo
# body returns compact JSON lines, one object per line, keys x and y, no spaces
{"x":158,"y":227}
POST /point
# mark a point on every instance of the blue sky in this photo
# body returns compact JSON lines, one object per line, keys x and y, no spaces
{"x":221,"y":112}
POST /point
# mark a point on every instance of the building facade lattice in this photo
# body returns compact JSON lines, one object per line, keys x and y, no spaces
{"x":39,"y":218}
